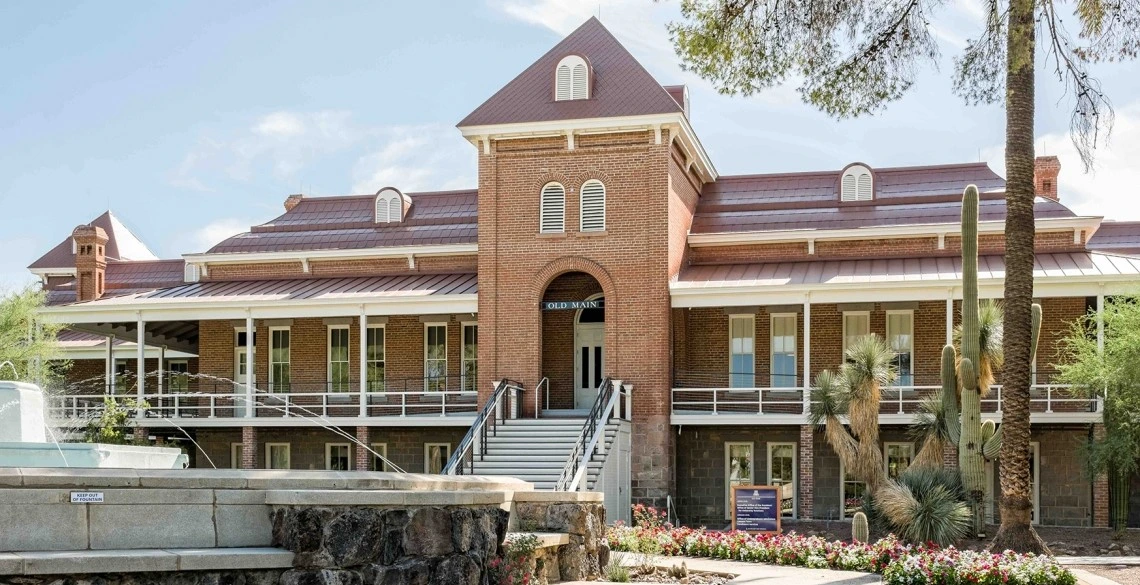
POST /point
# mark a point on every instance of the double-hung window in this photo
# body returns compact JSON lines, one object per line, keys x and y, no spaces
{"x":380,"y":453}
{"x":782,"y":473}
{"x":900,"y":336}
{"x":179,"y":377}
{"x":375,"y":359}
{"x":470,"y":353}
{"x":277,"y":456}
{"x":784,"y":351}
{"x":738,"y":466}
{"x":339,"y":359}
{"x":742,"y":359}
{"x":436,"y":456}
{"x":236,"y":450}
{"x":856,"y":326}
{"x":279,"y":373}
{"x":435,"y":357}
{"x":338,"y":456}
{"x":897,"y":457}
{"x":851,"y":492}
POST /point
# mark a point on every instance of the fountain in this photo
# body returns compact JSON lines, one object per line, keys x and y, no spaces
{"x":24,"y":439}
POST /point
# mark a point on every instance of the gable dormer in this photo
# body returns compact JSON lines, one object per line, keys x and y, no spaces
{"x":572,"y":79}
{"x":391,"y":206}
{"x":857,"y":183}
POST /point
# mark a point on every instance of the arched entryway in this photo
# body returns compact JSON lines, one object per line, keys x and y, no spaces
{"x":573,"y":342}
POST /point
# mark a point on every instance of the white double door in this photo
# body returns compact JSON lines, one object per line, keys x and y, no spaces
{"x":589,"y":362}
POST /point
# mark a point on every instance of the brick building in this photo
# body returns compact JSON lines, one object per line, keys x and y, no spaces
{"x":602,"y":270}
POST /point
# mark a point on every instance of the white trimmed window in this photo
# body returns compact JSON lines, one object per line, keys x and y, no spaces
{"x":856,"y":325}
{"x":389,"y":206}
{"x":593,"y":204}
{"x":900,"y":337}
{"x":857,"y":184}
{"x":435,"y":357}
{"x":279,"y":372}
{"x":277,"y":456}
{"x":236,"y":450}
{"x":782,"y":472}
{"x":380,"y":449}
{"x":897,"y":457}
{"x":571,"y":79}
{"x":436,"y":456}
{"x":851,"y":493}
{"x":375,"y":358}
{"x":784,"y":350}
{"x":179,"y":375}
{"x":742,"y":351}
{"x":470,"y":355}
{"x":338,"y":456}
{"x":738,"y":467}
{"x":553,"y":209}
{"x":338,"y":359}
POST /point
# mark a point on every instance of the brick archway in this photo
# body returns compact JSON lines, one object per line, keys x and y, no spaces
{"x":556,"y":332}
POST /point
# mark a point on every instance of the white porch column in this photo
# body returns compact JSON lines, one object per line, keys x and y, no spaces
{"x":807,"y":354}
{"x":950,"y":317}
{"x":1100,"y":322}
{"x":161,"y":366}
{"x":363,"y":363}
{"x":140,"y":349}
{"x":249,"y":367}
{"x":109,"y":366}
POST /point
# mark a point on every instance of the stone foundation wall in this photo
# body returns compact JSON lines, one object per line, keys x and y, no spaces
{"x":586,"y":553}
{"x":245,"y":577}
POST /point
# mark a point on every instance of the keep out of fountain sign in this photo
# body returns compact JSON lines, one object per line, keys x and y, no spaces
{"x":756,"y":508}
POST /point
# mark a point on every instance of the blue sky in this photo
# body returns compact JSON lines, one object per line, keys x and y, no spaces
{"x":192,"y":121}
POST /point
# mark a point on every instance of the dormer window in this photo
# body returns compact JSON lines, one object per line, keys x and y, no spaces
{"x":391,"y":205}
{"x":572,"y":79}
{"x":857,"y":184}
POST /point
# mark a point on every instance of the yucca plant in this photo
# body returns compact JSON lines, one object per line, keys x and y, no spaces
{"x":925,"y":504}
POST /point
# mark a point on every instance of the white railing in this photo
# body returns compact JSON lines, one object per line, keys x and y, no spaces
{"x":293,"y":404}
{"x":1044,"y":398}
{"x":613,"y":401}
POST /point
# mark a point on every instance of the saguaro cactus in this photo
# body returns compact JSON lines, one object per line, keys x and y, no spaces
{"x":968,"y":374}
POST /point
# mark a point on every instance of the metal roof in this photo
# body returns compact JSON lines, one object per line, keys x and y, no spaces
{"x":888,"y":270}
{"x":1118,"y":237}
{"x":121,"y":245}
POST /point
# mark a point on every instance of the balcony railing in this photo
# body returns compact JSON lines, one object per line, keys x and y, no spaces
{"x":691,"y":396}
{"x":444,"y":396}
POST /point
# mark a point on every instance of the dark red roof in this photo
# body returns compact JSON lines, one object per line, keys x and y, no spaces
{"x":1121,"y":237}
{"x":902,"y":196}
{"x":348,"y":222}
{"x":62,"y":255}
{"x":620,"y":86}
{"x":126,"y":278}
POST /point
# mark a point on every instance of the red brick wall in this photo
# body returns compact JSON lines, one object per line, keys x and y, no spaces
{"x":630,"y":261}
{"x":684,"y":191}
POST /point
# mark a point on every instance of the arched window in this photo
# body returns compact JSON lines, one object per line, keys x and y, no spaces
{"x":553,"y":209}
{"x":593,"y":202}
{"x":389,"y":206}
{"x":857,"y":184}
{"x":572,"y":79}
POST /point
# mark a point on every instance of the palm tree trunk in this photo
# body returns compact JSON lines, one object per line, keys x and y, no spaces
{"x":1016,"y":531}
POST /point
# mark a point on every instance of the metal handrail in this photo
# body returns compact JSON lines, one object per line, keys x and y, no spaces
{"x":545,"y":381}
{"x":492,"y":412}
{"x":579,"y":459}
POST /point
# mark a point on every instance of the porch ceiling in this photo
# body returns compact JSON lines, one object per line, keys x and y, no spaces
{"x":177,"y":335}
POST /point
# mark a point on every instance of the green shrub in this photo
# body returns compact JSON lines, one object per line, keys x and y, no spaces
{"x":925,"y":504}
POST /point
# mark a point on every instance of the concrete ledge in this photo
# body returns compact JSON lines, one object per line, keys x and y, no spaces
{"x":545,"y":539}
{"x":556,"y":497}
{"x":143,"y":560}
{"x":382,"y":498}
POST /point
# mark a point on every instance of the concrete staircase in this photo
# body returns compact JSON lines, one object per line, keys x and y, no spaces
{"x":535,"y":450}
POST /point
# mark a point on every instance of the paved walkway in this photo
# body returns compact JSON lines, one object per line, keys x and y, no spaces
{"x":1132,"y":561}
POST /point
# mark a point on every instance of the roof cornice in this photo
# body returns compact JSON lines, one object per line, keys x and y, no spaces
{"x":1087,"y":224}
{"x":351,"y":254}
{"x":673,"y":121}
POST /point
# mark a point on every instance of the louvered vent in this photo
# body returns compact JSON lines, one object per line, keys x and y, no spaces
{"x":389,"y":206}
{"x":395,"y":209}
{"x":857,"y":184}
{"x":381,"y":209}
{"x":553,"y":212}
{"x":593,"y":206}
{"x":572,"y":79}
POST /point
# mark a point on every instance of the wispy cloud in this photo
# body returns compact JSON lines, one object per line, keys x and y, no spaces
{"x":1110,"y":188}
{"x":417,"y":158}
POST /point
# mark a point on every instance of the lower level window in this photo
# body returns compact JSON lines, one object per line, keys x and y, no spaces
{"x":782,"y":472}
{"x":337,"y":456}
{"x":851,"y":493}
{"x":898,"y":457}
{"x":235,"y":455}
{"x":436,"y":456}
{"x":379,"y":464}
{"x":738,"y":461}
{"x":277,"y":455}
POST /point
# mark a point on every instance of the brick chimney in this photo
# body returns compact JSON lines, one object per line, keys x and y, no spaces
{"x":293,"y":201}
{"x":1045,"y":171}
{"x":90,"y":262}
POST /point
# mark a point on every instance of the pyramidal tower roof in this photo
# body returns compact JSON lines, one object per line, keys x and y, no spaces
{"x":122,"y":245}
{"x":620,"y":85}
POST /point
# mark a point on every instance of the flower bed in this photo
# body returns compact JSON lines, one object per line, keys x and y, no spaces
{"x":899,"y":563}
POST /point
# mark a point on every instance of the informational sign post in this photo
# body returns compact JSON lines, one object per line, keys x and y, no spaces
{"x":756,"y":508}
